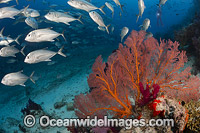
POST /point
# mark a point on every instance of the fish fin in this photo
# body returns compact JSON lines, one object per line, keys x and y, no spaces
{"x":21,"y":71}
{"x":17,"y":2}
{"x":137,"y":18}
{"x":66,"y":23}
{"x":12,"y":17}
{"x":141,"y":26}
{"x":60,"y":52}
{"x":122,"y":39}
{"x":48,"y":60}
{"x":101,"y":9}
{"x":79,"y":19}
{"x":22,"y":51}
{"x":107,"y":28}
{"x":23,"y":85}
{"x":63,"y":35}
{"x":1,"y":32}
{"x":13,"y":55}
{"x":31,"y":77}
{"x":121,"y":7}
{"x":16,"y":40}
{"x":25,"y":9}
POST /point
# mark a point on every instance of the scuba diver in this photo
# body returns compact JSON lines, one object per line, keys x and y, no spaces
{"x":159,"y":15}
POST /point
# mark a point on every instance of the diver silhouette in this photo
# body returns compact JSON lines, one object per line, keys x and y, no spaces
{"x":158,"y":16}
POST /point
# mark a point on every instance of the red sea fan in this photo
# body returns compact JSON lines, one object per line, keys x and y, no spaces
{"x":116,"y":83}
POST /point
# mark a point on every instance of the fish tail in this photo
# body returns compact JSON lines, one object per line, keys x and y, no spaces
{"x":31,"y":77}
{"x":25,"y":9}
{"x":107,"y":28}
{"x":1,"y":32}
{"x":17,"y":2}
{"x":101,"y":9}
{"x":16,"y":40}
{"x":22,"y":51}
{"x":60,"y":52}
{"x":63,"y":35}
{"x":79,"y":19}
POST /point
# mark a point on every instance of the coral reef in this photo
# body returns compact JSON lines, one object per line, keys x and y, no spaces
{"x":117,"y":85}
{"x":193,"y":108}
{"x":189,"y":39}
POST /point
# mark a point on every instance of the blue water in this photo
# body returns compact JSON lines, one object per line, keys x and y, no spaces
{"x":175,"y":14}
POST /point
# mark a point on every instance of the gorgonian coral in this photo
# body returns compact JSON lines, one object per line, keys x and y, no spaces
{"x":117,"y":82}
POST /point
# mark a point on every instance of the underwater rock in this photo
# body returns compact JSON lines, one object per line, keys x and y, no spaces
{"x":70,"y":106}
{"x":59,"y":105}
{"x":31,"y":108}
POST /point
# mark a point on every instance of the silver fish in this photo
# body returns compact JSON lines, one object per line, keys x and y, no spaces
{"x":29,"y":12}
{"x":101,"y":28}
{"x":7,"y":1}
{"x":84,"y":5}
{"x":118,"y":4}
{"x":11,"y":61}
{"x":110,"y":7}
{"x":5,"y":41}
{"x":60,"y":17}
{"x":124,"y":32}
{"x":31,"y":22}
{"x":17,"y":78}
{"x":8,"y":12}
{"x":41,"y":56}
{"x":10,"y":51}
{"x":42,"y":35}
{"x":98,"y":19}
{"x":145,"y":25}
{"x":141,"y":8}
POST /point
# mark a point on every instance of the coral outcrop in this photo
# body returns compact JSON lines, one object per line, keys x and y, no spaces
{"x":117,"y":86}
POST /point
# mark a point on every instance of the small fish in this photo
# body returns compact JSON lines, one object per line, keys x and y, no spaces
{"x":11,"y":61}
{"x":145,"y":25}
{"x":31,"y":22}
{"x":118,"y":4}
{"x":60,"y":17}
{"x":17,"y":78}
{"x":98,"y":19}
{"x":51,"y":63}
{"x":75,"y":42}
{"x":5,"y":41}
{"x":124,"y":32}
{"x":10,"y":51}
{"x":162,"y":2}
{"x":148,"y":35}
{"x":7,"y":1}
{"x":112,"y":29}
{"x":42,"y":35}
{"x":59,"y":45}
{"x":84,"y":5}
{"x":29,"y":12}
{"x":41,"y":56}
{"x":141,"y":8}
{"x":110,"y":7}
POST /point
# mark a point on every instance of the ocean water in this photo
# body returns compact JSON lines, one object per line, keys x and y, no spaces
{"x":63,"y":78}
